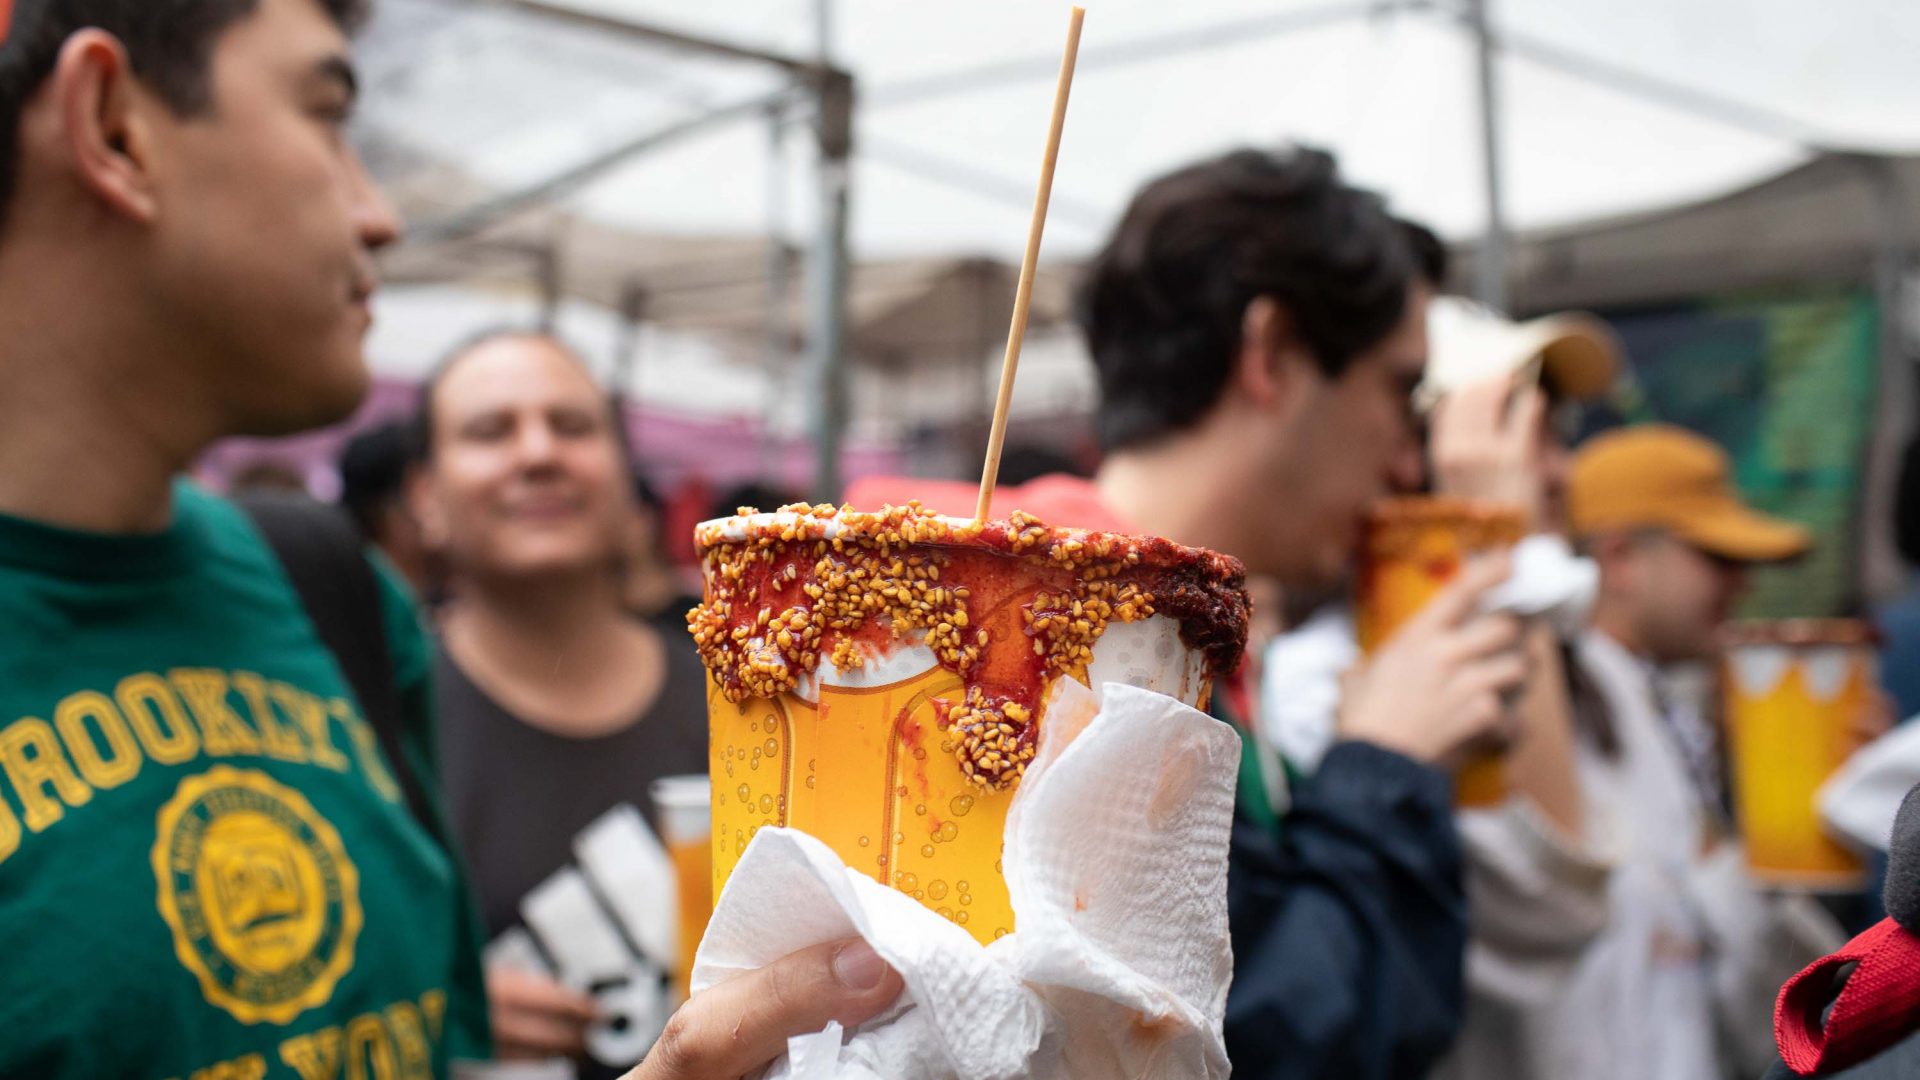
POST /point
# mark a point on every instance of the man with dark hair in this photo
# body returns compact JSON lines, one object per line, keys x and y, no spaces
{"x":211,"y":862}
{"x":374,"y":467}
{"x":1259,"y":327}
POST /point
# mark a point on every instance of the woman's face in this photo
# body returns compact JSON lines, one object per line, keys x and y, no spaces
{"x":526,"y":476}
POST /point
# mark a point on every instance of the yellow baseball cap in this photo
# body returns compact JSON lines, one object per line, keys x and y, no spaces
{"x":1660,"y":476}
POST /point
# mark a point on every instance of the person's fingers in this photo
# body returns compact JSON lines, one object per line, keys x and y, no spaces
{"x":1486,"y":724}
{"x":1483,"y":635}
{"x":1480,"y":404}
{"x":1451,"y":605}
{"x":744,"y":1023}
{"x":1498,"y":675}
{"x":523,"y":1033}
{"x":1524,"y":416}
{"x":1468,"y":416}
{"x":526,"y":991}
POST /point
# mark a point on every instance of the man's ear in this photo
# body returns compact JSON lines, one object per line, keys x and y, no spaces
{"x":95,"y":124}
{"x":1271,"y":364}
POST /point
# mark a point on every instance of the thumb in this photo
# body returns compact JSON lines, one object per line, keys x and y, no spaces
{"x":745,"y":1022}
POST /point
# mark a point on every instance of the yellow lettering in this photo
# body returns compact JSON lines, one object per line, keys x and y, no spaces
{"x":410,"y":1038}
{"x":368,"y":746}
{"x":9,"y":831}
{"x":311,"y":714}
{"x":251,"y":1067}
{"x":222,"y":731}
{"x":279,"y":741}
{"x":367,"y":1044}
{"x":315,"y":1056}
{"x":122,"y":763}
{"x":155,"y":713}
{"x":433,"y":1004}
{"x":31,"y":773}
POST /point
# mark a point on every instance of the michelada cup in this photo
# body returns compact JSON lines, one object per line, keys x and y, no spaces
{"x":880,"y":680}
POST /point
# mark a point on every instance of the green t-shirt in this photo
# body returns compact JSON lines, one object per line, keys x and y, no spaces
{"x":207,"y":871}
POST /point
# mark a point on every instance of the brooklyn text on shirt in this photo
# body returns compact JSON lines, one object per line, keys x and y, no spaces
{"x":395,"y":1043}
{"x":98,"y":739}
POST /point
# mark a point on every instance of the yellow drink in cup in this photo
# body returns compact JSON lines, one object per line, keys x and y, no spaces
{"x":1795,"y":694}
{"x":683,"y":807}
{"x":880,"y":680}
{"x":1413,"y":547}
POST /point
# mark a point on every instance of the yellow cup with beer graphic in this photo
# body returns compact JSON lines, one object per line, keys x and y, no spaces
{"x":1412,"y":548}
{"x":1797,"y":693}
{"x":880,"y":680}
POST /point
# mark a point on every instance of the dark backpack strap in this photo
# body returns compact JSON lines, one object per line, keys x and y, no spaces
{"x":325,"y":559}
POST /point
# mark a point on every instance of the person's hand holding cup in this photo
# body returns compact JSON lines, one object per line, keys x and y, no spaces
{"x":1437,"y":689}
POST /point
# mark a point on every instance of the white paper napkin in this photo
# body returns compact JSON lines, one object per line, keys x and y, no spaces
{"x":1116,"y":861}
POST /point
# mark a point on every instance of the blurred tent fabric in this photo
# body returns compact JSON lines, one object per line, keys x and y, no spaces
{"x":1607,"y":105}
{"x":1835,"y":219}
{"x":542,"y":154}
{"x":653,"y":179}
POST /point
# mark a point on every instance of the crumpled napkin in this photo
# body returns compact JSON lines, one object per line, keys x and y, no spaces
{"x":1116,"y":862}
{"x":1548,"y":580}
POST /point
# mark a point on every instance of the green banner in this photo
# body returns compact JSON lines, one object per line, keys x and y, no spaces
{"x":1787,"y":385}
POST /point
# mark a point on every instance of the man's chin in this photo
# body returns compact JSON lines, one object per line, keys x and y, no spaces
{"x":307,"y":408}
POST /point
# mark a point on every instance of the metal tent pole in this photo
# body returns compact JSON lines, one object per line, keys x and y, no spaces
{"x":778,"y":329}
{"x":1490,"y":284}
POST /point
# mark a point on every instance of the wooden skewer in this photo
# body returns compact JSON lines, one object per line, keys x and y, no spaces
{"x":1023,"y":298}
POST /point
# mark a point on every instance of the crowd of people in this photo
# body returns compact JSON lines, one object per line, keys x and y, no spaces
{"x":354,"y":814}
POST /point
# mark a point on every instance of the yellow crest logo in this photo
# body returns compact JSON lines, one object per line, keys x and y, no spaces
{"x":263,"y":903}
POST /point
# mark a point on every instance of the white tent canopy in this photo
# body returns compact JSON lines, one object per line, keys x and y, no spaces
{"x":1608,"y":105}
{"x":626,"y":170}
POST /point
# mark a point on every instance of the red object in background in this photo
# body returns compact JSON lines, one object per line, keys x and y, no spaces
{"x":1877,"y":1007}
{"x":6,"y":19}
{"x":1060,"y":500}
{"x":687,"y":506}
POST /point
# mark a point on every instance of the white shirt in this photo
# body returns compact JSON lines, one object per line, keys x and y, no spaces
{"x":1679,"y":984}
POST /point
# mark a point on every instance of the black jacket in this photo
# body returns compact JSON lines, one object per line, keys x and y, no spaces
{"x":1349,"y":926}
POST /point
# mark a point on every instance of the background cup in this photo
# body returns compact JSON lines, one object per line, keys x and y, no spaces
{"x":683,"y":808}
{"x":1795,"y":693}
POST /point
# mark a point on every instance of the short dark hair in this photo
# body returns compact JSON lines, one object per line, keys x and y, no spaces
{"x":373,"y":472}
{"x":170,"y":44}
{"x":1429,"y":253}
{"x":1162,"y":304}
